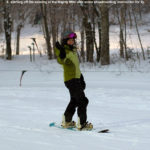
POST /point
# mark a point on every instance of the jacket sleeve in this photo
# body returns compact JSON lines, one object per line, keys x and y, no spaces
{"x":59,"y":60}
{"x":71,"y":58}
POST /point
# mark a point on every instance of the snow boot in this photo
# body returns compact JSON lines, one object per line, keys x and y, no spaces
{"x":86,"y":126}
{"x":71,"y":124}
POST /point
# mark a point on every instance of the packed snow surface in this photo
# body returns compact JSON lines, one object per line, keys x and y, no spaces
{"x":118,"y":100}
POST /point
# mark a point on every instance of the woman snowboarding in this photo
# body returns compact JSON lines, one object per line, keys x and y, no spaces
{"x":66,"y":53}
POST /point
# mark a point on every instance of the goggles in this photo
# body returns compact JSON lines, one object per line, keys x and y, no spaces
{"x":72,"y":35}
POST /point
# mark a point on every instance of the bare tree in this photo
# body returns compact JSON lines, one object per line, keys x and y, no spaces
{"x":82,"y":41}
{"x":18,"y":38}
{"x":136,"y":25}
{"x":121,"y":15}
{"x":53,"y":22}
{"x":105,"y":35}
{"x":7,"y":28}
{"x":20,"y":19}
{"x":98,"y":14}
{"x":46,"y":30}
{"x":88,"y":32}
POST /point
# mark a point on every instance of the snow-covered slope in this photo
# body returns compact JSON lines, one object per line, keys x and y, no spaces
{"x":119,"y":101}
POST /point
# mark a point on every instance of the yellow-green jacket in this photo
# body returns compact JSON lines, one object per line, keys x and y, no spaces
{"x":70,"y":64}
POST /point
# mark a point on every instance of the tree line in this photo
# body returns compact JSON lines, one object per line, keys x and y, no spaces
{"x":87,"y":18}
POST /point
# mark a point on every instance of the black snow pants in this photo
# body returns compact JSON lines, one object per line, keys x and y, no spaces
{"x":77,"y":100}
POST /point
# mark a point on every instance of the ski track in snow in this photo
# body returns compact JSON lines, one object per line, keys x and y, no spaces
{"x":120,"y":103}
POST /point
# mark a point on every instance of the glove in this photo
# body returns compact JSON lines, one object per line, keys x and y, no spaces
{"x":62,"y":54}
{"x":83,"y":84}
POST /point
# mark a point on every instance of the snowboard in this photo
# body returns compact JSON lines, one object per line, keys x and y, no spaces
{"x":53,"y":124}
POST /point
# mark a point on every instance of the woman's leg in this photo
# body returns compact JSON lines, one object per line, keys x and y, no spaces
{"x":70,"y":110}
{"x":78,"y":99}
{"x":82,"y":110}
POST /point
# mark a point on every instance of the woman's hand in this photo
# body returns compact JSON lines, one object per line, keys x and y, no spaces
{"x":62,"y":54}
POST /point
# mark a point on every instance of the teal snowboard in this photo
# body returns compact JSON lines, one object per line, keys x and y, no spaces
{"x":53,"y":124}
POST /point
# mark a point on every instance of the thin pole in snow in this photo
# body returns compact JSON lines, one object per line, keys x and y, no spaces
{"x":23,"y":71}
